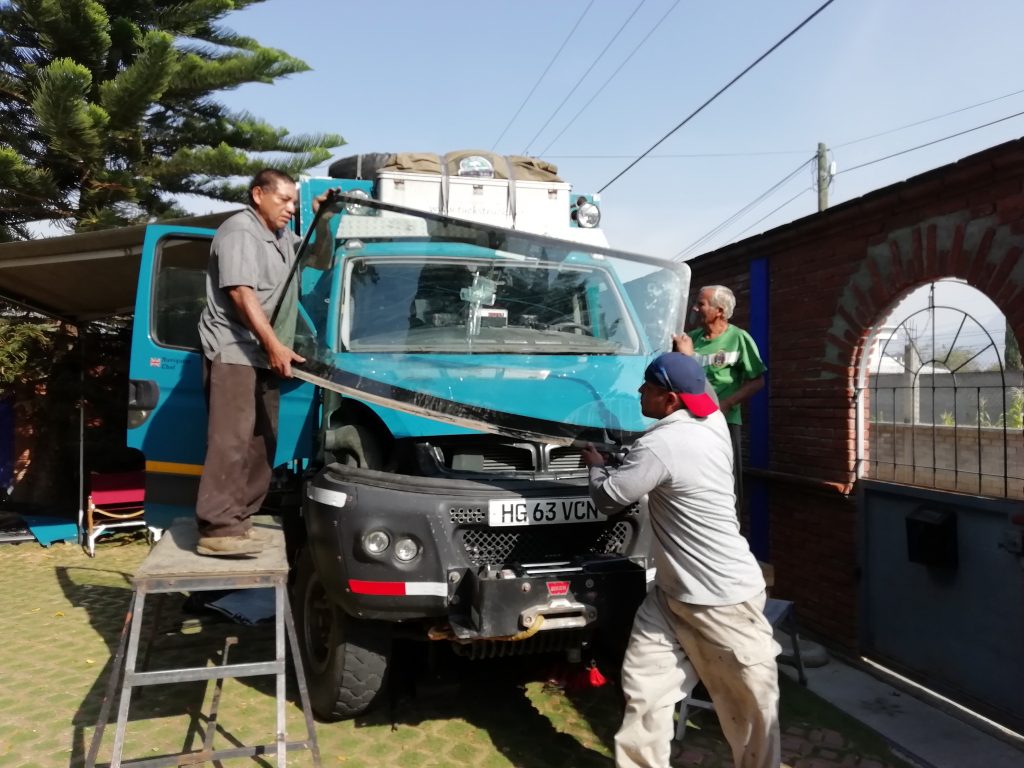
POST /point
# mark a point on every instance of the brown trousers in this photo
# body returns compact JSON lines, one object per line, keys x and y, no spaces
{"x":241,"y":439}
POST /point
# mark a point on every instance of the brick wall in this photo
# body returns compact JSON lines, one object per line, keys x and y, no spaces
{"x":833,"y":277}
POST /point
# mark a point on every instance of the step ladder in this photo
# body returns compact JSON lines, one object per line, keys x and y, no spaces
{"x":173,"y":566}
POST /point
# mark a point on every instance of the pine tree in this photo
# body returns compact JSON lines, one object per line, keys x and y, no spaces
{"x":1013,"y":361}
{"x":108,"y":111}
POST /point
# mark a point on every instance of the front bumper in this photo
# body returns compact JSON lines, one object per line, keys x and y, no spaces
{"x":484,"y":582}
{"x":510,"y":601}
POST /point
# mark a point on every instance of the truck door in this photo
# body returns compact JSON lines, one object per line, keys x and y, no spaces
{"x":166,"y":406}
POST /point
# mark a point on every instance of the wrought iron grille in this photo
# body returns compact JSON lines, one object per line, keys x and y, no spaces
{"x":933,"y":422}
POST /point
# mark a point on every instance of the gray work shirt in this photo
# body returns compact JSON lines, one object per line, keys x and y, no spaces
{"x":245,"y":252}
{"x":684,"y":466}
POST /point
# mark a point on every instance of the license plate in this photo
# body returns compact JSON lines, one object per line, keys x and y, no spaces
{"x":501,"y":512}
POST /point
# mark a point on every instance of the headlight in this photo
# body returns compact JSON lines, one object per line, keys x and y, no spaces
{"x":354,"y":208}
{"x":588,"y":215}
{"x":406,"y":549}
{"x":376,"y":542}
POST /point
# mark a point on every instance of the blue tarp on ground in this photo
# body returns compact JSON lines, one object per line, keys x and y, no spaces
{"x":50,"y":529}
{"x":246,"y":606}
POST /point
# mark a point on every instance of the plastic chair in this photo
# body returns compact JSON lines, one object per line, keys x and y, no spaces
{"x":116,"y":500}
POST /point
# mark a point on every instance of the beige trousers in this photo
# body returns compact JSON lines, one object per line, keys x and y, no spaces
{"x":729,"y":648}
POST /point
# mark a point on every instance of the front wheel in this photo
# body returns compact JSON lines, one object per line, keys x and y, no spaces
{"x":346,"y":659}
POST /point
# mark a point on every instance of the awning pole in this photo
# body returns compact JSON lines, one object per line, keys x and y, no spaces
{"x":81,"y":435}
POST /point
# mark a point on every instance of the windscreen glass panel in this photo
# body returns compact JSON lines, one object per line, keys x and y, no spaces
{"x":488,"y":304}
{"x":478,"y":327}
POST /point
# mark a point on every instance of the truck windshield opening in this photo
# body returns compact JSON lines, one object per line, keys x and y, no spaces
{"x":460,"y":306}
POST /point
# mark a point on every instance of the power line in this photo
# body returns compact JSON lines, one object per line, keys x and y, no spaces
{"x":785,"y":151}
{"x":543,"y":74}
{"x":928,"y":119}
{"x":930,"y":143}
{"x":742,"y":211}
{"x":720,"y":227}
{"x":583,"y":76}
{"x":775,"y":152}
{"x":715,"y":230}
{"x":773,"y":211}
{"x":711,"y":233}
{"x":722,"y":90}
{"x":676,"y":156}
{"x":616,"y":72}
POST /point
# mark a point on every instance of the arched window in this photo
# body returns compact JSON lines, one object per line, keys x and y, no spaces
{"x":940,"y":395}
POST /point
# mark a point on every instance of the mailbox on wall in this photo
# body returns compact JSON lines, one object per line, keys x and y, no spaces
{"x":931,"y":537}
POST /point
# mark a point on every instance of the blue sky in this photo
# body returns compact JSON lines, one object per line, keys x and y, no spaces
{"x":398,"y":75}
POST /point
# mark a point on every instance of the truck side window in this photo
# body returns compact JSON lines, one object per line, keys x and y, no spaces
{"x":382,"y":306}
{"x":179,"y":293}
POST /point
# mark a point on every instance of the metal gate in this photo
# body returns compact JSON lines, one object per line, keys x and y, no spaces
{"x":941,"y":518}
{"x":942,"y":593}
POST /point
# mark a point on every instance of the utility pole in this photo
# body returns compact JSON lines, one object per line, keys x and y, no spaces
{"x":823,"y":177}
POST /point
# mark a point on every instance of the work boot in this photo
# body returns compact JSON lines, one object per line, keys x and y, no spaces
{"x":261,"y":535}
{"x":228,"y":546}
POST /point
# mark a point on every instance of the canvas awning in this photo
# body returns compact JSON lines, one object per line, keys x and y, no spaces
{"x":81,"y":277}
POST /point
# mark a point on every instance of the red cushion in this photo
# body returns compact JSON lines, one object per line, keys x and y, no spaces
{"x":117,"y":488}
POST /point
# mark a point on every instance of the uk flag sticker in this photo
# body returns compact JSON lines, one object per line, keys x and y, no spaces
{"x":154,"y":362}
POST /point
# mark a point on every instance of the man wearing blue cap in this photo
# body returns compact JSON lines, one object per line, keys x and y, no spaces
{"x":703,"y":619}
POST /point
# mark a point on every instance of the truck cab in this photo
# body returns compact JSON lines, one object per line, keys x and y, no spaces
{"x":454,"y":366}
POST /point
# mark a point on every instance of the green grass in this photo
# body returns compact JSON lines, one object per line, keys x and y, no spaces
{"x":64,"y":613}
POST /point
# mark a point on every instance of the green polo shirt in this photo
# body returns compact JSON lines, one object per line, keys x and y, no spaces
{"x":729,"y":361}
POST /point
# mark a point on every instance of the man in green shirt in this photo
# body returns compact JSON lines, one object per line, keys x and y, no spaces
{"x":730,"y":359}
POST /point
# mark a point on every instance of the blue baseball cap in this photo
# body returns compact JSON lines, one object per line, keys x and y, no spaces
{"x":683,"y":375}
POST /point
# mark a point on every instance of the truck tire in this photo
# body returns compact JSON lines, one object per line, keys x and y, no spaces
{"x":357,"y":446}
{"x":346,"y":659}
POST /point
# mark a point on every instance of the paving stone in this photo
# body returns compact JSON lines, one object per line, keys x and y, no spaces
{"x":833,"y":739}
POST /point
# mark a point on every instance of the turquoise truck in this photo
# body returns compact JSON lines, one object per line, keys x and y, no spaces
{"x":466,"y":329}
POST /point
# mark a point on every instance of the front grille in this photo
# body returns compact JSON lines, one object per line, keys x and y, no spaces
{"x":505,"y":458}
{"x":493,"y":458}
{"x":565,"y":460}
{"x":499,"y":546}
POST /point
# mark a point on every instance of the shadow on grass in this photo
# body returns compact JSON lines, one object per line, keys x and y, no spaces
{"x":529,"y":725}
{"x":430,"y":683}
{"x":105,"y":595}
